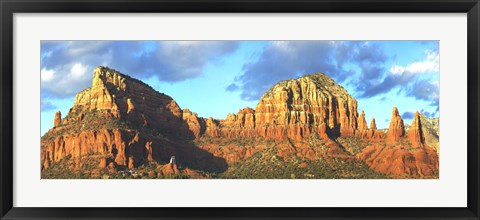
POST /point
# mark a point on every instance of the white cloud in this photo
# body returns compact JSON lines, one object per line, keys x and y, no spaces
{"x":429,"y":65}
{"x":283,"y":46}
{"x":171,"y":61}
{"x":46,"y":75}
{"x":78,"y":71}
{"x":395,"y":69}
{"x":67,"y":79}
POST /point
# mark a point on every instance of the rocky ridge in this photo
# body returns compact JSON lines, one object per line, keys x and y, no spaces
{"x":127,"y":123}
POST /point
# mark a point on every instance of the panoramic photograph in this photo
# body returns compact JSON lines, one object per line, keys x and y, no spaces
{"x":239,"y":109}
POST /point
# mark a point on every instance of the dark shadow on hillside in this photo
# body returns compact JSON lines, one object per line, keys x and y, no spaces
{"x":178,"y":142}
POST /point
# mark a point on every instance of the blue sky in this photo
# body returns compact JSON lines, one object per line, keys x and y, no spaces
{"x":214,"y":78}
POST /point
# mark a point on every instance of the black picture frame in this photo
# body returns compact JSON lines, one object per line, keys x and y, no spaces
{"x":9,"y":7}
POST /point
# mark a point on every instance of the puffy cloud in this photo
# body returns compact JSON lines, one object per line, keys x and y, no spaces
{"x":360,"y":65}
{"x":78,"y":71}
{"x":66,"y":66}
{"x":425,"y":90}
{"x":388,"y":83}
{"x":282,"y":60}
{"x":46,"y":75}
{"x":407,"y":78}
{"x":178,"y":60}
{"x":429,"y":65}
{"x":66,"y":80}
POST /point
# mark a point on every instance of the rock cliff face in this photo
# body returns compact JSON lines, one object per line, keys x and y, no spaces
{"x":240,"y":125}
{"x":430,"y":130}
{"x":195,"y":124}
{"x":373,"y":133}
{"x":292,"y":109}
{"x":403,"y":156}
{"x":373,"y":125}
{"x":396,"y":129}
{"x":362,"y":123}
{"x":122,"y":97}
{"x":127,"y":124}
{"x":58,"y":119}
{"x":310,"y":104}
{"x":415,"y":134}
{"x":400,"y":161}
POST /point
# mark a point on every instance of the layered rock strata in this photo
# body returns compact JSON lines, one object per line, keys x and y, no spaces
{"x":402,"y":156}
{"x":128,"y":123}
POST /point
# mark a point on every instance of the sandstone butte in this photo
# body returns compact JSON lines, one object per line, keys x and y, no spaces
{"x":128,"y":123}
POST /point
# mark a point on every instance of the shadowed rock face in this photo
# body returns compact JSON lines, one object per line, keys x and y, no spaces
{"x":126,"y":121}
{"x":373,"y":125}
{"x":415,"y":133}
{"x":403,"y":156}
{"x":122,"y":97}
{"x":430,"y":130}
{"x":129,"y":124}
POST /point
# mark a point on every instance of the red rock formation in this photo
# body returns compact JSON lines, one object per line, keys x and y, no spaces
{"x":415,"y":134}
{"x":237,"y":125}
{"x":58,"y":119}
{"x":297,"y":108}
{"x":193,"y":122}
{"x":396,"y":129}
{"x":322,"y":131}
{"x":399,"y":161}
{"x":397,"y":158}
{"x":373,"y":133}
{"x":168,"y":169}
{"x":362,"y":123}
{"x":149,"y":149}
{"x":103,"y":163}
{"x":291,"y":109}
{"x":192,"y":173}
{"x":126,"y":120}
{"x":373,"y":125}
{"x":362,"y":131}
{"x":130,"y":106}
{"x":152,"y":174}
{"x":120,"y":96}
{"x":46,"y":164}
{"x":131,"y":163}
{"x":121,"y":117}
{"x":212,"y":127}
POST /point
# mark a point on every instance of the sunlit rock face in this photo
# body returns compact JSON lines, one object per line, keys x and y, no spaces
{"x":294,"y":109}
{"x":402,"y":156}
{"x":124,"y":123}
{"x":121,"y":96}
{"x":310,"y":104}
{"x":397,"y":128}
